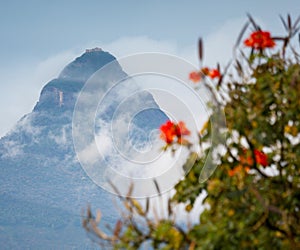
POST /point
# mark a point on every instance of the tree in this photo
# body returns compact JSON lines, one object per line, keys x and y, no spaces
{"x":253,"y":197}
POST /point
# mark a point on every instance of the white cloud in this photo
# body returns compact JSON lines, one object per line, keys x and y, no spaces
{"x":61,"y":138}
{"x":131,"y":45}
{"x":218,"y":46}
{"x":21,"y":86}
{"x":11,"y":149}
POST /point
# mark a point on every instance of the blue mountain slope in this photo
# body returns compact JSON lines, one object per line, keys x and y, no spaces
{"x":42,"y":186}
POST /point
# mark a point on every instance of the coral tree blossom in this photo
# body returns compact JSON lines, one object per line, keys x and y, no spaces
{"x":170,"y":131}
{"x":246,"y":161}
{"x":261,"y":158}
{"x":260,"y":40}
{"x":237,"y":169}
{"x":195,"y":76}
{"x":205,"y":71}
{"x":214,"y":73}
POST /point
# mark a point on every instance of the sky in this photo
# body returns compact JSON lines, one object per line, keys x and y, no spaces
{"x":38,"y":38}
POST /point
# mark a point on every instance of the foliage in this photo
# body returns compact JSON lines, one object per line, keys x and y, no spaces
{"x":253,"y":198}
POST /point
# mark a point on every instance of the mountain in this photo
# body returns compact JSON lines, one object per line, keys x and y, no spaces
{"x":43,"y":187}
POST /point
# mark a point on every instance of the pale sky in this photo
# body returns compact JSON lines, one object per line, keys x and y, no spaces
{"x":38,"y":38}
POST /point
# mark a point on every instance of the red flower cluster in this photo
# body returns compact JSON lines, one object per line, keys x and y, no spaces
{"x":246,"y":162}
{"x":170,"y":131}
{"x":212,"y":73}
{"x":260,"y":40}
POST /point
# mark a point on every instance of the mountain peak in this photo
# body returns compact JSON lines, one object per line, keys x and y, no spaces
{"x":43,"y":185}
{"x":59,"y":93}
{"x":85,"y":65}
{"x":93,"y":50}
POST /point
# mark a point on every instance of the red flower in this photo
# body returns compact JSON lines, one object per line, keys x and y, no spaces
{"x":260,"y":40}
{"x":205,"y":71}
{"x":214,"y":73}
{"x":238,"y":169}
{"x":181,"y":129}
{"x":232,"y":172}
{"x":246,"y":161}
{"x":170,"y":130}
{"x":195,"y":76}
{"x":261,"y":158}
